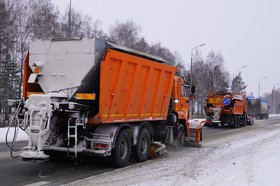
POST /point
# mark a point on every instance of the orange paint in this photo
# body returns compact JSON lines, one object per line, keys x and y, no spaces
{"x":133,"y":88}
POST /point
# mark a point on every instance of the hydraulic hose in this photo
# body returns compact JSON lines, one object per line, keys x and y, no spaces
{"x":14,"y":123}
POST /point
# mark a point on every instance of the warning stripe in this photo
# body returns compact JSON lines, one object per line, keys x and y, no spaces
{"x":85,"y":96}
{"x":134,"y":115}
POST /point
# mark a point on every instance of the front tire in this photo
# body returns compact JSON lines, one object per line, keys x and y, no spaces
{"x":235,"y":124}
{"x":143,"y":145}
{"x":122,"y":150}
{"x":181,"y":136}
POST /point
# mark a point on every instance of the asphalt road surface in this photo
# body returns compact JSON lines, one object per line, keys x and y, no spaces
{"x":63,"y":171}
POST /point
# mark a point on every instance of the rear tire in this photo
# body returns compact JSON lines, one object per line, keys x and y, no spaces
{"x":143,"y":145}
{"x":122,"y":150}
{"x":245,"y":119}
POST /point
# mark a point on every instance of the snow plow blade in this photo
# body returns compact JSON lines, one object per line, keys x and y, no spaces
{"x":31,"y":155}
{"x":157,"y":149}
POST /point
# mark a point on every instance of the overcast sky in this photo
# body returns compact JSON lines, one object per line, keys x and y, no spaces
{"x":247,"y":32}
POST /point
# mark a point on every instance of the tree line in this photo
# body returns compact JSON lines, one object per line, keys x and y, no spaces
{"x":22,"y":21}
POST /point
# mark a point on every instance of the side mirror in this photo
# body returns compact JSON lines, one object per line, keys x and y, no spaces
{"x":193,"y":89}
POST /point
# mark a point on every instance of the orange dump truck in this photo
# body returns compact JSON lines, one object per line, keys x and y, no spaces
{"x":226,"y":108}
{"x":95,"y":97}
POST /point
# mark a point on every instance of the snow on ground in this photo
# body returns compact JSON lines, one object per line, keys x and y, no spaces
{"x":250,"y":158}
{"x":274,"y":115}
{"x":20,"y":137}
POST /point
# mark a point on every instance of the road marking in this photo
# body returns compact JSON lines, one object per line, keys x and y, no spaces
{"x":38,"y":183}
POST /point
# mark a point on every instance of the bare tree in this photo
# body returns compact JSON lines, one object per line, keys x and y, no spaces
{"x":238,"y":85}
{"x":9,"y":82}
{"x":220,"y":77}
{"x":126,"y":33}
{"x":81,"y":25}
{"x":208,"y":76}
{"x":43,"y":20}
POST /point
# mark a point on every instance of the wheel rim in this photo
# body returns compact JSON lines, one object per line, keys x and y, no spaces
{"x":144,"y":145}
{"x":123,"y":149}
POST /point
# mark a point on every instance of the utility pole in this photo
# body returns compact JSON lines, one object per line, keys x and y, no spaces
{"x":260,"y":85}
{"x":274,"y":99}
{"x":69,"y":21}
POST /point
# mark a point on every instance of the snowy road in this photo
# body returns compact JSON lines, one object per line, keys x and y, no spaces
{"x":244,"y":156}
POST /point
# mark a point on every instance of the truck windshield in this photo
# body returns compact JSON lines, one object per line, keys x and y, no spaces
{"x":183,"y":91}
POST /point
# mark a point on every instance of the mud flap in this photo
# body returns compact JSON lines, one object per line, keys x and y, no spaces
{"x":157,"y":149}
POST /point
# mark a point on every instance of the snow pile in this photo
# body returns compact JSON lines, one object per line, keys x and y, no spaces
{"x":20,"y":137}
{"x":274,"y":115}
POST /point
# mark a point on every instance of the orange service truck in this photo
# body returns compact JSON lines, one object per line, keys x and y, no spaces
{"x":86,"y":95}
{"x":226,"y":108}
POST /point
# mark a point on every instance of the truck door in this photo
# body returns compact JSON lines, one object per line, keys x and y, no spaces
{"x":184,"y":100}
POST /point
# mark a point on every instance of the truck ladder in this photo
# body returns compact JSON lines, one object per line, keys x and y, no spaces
{"x":71,"y":135}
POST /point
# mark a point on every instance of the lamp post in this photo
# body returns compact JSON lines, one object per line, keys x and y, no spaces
{"x":69,"y":21}
{"x":260,"y":85}
{"x":273,"y":98}
{"x":214,"y":77}
{"x":240,"y":68}
{"x":191,"y":80}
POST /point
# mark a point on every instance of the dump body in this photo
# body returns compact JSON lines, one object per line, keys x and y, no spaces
{"x":226,"y":108}
{"x":95,"y":97}
{"x":116,"y":85}
{"x":133,"y":89}
{"x":258,"y":108}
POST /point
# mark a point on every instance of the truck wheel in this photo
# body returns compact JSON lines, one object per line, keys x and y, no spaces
{"x":245,"y":119}
{"x":143,"y":145}
{"x":235,"y":125}
{"x":238,"y":121}
{"x":172,"y":119}
{"x":122,"y":150}
{"x":181,"y":136}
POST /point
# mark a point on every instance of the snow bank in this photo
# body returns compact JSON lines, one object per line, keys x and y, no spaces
{"x":274,"y":115}
{"x":21,"y":135}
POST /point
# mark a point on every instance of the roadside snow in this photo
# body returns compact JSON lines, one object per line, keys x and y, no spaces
{"x":20,"y":137}
{"x":251,"y":161}
{"x":274,"y":115}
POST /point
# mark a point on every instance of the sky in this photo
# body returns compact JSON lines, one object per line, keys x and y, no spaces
{"x":247,"y":33}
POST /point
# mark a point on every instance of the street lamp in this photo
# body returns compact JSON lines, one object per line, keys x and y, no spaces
{"x":240,"y":68}
{"x":191,"y":80}
{"x":192,"y":60}
{"x":260,"y":85}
